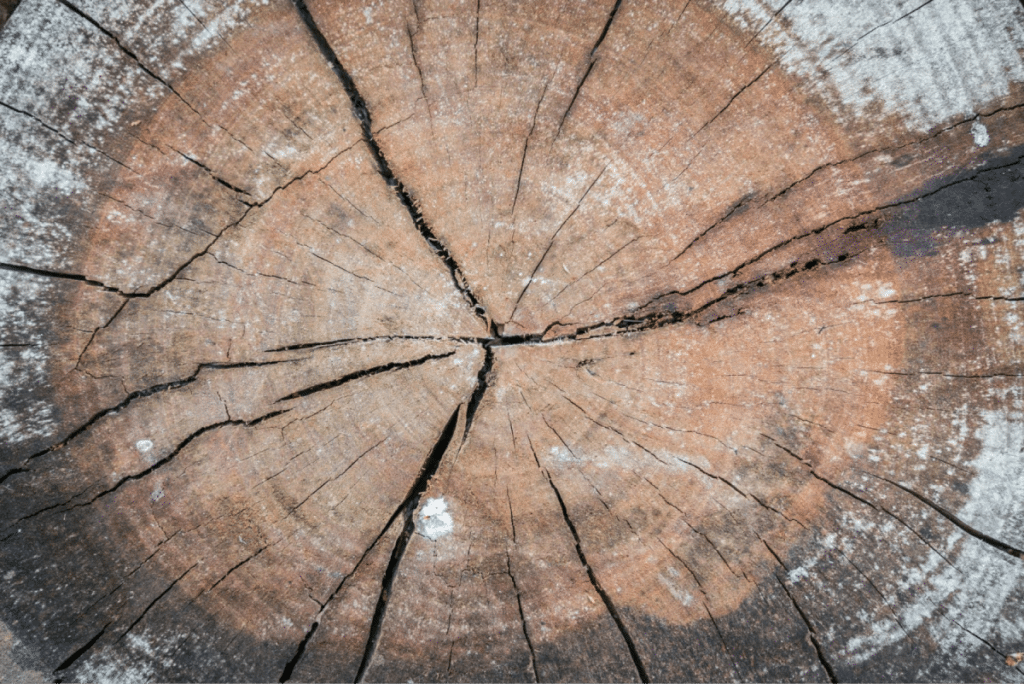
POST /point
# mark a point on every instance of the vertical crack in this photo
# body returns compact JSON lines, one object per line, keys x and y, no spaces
{"x":362,"y":113}
{"x":515,"y":584}
{"x":300,"y":650}
{"x":641,"y":670}
{"x":476,"y":43}
{"x":481,"y":388}
{"x":526,"y":148}
{"x":408,"y":506}
{"x":522,"y":615}
{"x":803,"y":616}
{"x":551,"y":243}
{"x":290,"y":667}
{"x":590,"y":66}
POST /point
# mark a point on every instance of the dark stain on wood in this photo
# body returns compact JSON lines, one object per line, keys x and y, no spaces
{"x":962,"y":201}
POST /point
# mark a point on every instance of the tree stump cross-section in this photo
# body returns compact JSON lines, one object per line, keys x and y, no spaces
{"x":516,"y":341}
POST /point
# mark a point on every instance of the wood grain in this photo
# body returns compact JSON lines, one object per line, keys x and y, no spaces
{"x":485,"y":341}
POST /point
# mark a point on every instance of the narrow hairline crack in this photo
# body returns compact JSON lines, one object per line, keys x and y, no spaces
{"x":815,"y":641}
{"x":159,"y":79}
{"x":638,"y":663}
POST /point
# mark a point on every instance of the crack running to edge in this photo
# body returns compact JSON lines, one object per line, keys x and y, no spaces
{"x":641,"y":669}
{"x":408,"y":506}
{"x":825,"y":664}
{"x":953,"y":518}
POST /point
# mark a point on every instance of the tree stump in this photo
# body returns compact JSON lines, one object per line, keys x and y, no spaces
{"x":532,"y":341}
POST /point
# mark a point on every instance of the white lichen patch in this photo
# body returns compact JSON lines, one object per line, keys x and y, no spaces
{"x":797,"y":574}
{"x":435,"y":520}
{"x":980,"y":591}
{"x":669,"y":579}
{"x":108,"y":671}
{"x":924,"y":62}
{"x":23,"y":365}
{"x":144,"y":446}
{"x":994,"y":502}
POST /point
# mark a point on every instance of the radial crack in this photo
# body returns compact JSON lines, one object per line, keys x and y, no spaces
{"x":301,"y":648}
{"x":551,"y":243}
{"x":522,"y":615}
{"x":155,"y":389}
{"x":950,"y":516}
{"x":299,"y":651}
{"x":383,"y":167}
{"x":526,"y":147}
{"x":641,"y":669}
{"x":803,"y":616}
{"x":408,"y":506}
{"x":362,"y":374}
{"x":880,"y":26}
{"x":149,"y":72}
{"x":591,"y":62}
{"x":18,"y":268}
{"x":733,"y":99}
{"x":71,"y":659}
{"x":479,"y":390}
{"x":165,"y":460}
{"x":154,"y":601}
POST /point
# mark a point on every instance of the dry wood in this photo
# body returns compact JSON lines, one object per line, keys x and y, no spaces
{"x":619,"y":340}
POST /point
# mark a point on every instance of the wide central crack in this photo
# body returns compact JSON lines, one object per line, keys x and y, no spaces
{"x":362,"y":113}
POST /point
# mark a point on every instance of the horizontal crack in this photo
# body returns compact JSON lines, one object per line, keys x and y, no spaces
{"x":149,"y":391}
{"x":184,"y":443}
{"x":362,"y":374}
{"x":18,"y":268}
{"x":143,"y":473}
{"x":384,"y":338}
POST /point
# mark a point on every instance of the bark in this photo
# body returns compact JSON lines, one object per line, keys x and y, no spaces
{"x":512,"y":341}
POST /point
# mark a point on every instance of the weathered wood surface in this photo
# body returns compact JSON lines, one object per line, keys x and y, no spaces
{"x":621,"y":340}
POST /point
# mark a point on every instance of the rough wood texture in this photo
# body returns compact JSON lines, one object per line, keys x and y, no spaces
{"x":620,"y":340}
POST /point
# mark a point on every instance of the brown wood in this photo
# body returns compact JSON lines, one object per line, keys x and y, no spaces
{"x":608,"y":341}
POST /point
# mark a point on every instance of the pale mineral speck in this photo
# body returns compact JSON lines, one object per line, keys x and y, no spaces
{"x":797,"y":574}
{"x":980,"y":133}
{"x":144,"y":446}
{"x":435,"y":520}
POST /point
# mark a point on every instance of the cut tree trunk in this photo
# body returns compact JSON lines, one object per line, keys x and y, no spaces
{"x":619,"y":340}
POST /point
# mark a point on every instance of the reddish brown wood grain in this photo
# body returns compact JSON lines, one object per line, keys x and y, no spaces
{"x":500,"y":341}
